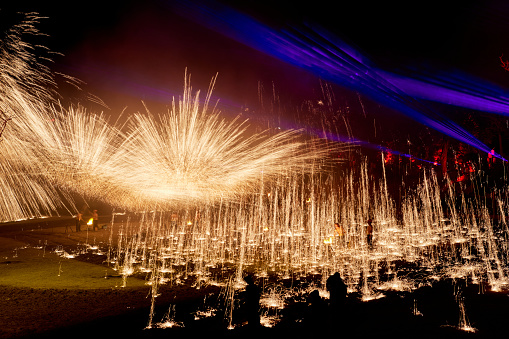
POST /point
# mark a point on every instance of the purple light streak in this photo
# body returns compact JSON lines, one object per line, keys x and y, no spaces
{"x":457,"y":90}
{"x":320,"y":52}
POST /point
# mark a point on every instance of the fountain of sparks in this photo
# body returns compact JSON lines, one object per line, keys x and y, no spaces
{"x":215,"y":203}
{"x":285,"y":232}
{"x":27,"y":89}
{"x":189,"y":155}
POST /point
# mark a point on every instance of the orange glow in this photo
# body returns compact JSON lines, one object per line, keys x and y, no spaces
{"x":461,"y":178}
{"x":389,"y":158}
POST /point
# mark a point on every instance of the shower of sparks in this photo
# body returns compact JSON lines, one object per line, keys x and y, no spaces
{"x":187,"y":155}
{"x":26,"y":92}
{"x":191,"y":153}
{"x":270,"y":219}
{"x":281,"y":236}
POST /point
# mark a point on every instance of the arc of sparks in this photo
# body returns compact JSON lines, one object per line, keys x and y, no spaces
{"x":188,"y":155}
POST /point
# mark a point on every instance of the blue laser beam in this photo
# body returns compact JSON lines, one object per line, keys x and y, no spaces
{"x":454,"y":89}
{"x":317,"y":50}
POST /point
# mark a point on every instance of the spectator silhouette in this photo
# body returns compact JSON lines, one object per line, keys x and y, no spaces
{"x":79,"y":221}
{"x":95,"y":222}
{"x":337,"y":292}
{"x":252,"y":302}
{"x":339,"y":233}
{"x":369,"y":233}
{"x":316,"y":311}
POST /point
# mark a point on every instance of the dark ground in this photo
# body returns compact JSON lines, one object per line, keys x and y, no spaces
{"x":36,"y":303}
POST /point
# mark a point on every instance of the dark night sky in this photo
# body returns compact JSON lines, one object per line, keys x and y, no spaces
{"x":128,"y":51}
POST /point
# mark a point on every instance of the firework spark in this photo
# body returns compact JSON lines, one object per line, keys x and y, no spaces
{"x":27,"y":88}
{"x":189,"y":154}
{"x":193,"y":154}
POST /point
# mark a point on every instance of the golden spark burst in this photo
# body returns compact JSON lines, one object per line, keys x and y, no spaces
{"x":189,"y":154}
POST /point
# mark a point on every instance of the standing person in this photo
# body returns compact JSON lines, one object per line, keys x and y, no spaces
{"x":252,"y":302}
{"x":369,"y":233}
{"x":316,"y":313}
{"x":337,"y":292}
{"x":95,"y":222}
{"x":339,"y":231}
{"x":79,"y":221}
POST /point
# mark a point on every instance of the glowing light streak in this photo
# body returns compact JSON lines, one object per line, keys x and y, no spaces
{"x":138,"y":89}
{"x":454,"y":89}
{"x":319,"y":51}
{"x":124,"y":166}
{"x":191,"y":154}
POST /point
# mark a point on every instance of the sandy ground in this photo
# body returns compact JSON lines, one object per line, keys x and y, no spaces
{"x":43,"y":294}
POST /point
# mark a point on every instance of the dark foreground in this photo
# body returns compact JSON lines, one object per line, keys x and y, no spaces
{"x":392,"y":316}
{"x":43,"y":311}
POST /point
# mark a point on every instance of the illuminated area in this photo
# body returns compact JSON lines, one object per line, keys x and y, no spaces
{"x":200,"y":199}
{"x":190,"y":154}
{"x":289,"y":236}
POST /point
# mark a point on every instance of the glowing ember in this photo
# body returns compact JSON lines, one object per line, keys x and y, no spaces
{"x":328,"y":240}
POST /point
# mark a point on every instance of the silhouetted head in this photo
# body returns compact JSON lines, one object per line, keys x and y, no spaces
{"x":315,"y":295}
{"x":249,"y":279}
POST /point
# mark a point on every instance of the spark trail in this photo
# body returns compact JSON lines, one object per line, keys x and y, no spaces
{"x":270,"y":219}
{"x":26,"y":90}
{"x":187,"y":155}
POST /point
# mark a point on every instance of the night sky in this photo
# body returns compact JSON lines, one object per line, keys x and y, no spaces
{"x":128,"y":51}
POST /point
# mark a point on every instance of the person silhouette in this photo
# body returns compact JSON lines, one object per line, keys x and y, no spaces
{"x":369,"y":233}
{"x":79,"y":221}
{"x":95,"y":222}
{"x":339,"y":232}
{"x":337,"y":292}
{"x":316,"y":310}
{"x":252,"y":302}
